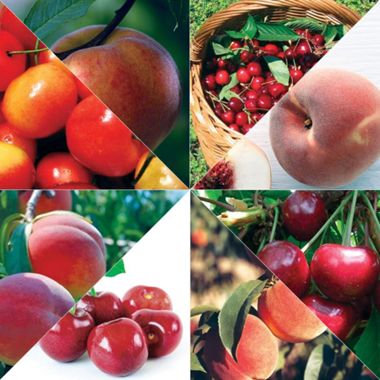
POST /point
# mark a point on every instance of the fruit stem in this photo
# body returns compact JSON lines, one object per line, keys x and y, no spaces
{"x":328,"y":222}
{"x":242,"y":218}
{"x":32,"y":203}
{"x":217,"y":203}
{"x":350,"y":220}
{"x":275,"y":223}
{"x":10,"y":53}
{"x":98,"y":39}
{"x":371,"y":210}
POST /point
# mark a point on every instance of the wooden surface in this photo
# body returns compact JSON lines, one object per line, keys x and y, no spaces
{"x":358,"y":51}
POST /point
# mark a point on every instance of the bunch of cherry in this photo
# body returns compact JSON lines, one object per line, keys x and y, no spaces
{"x":341,"y":283}
{"x":118,"y":334}
{"x":257,"y":90}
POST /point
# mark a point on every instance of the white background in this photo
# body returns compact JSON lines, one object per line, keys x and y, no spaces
{"x":161,"y":258}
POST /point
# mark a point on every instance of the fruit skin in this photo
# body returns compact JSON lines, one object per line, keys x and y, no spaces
{"x":286,"y":316}
{"x":329,"y":156}
{"x":145,"y":297}
{"x":289,"y":264}
{"x":257,"y":353}
{"x":163,"y":330}
{"x":61,"y":200}
{"x":38,"y":103}
{"x":304,"y":213}
{"x":118,"y":347}
{"x":67,"y":340}
{"x":104,"y":307}
{"x":57,"y":169}
{"x":67,"y":249}
{"x":345,"y":274}
{"x":98,"y":139}
{"x":30,"y":305}
{"x":16,"y":170}
{"x":150,"y":78}
{"x":340,"y":318}
{"x":9,"y":136}
{"x":10,"y":66}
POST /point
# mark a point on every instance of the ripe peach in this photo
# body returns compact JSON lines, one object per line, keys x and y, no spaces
{"x":286,"y":316}
{"x":69,"y":250}
{"x":38,"y":103}
{"x":16,"y":168}
{"x":331,"y":124}
{"x":61,"y":200}
{"x":30,"y":305}
{"x":257,"y":353}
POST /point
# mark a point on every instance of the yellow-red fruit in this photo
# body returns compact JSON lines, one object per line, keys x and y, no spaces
{"x":286,"y":315}
{"x":39,"y":101}
{"x":256,"y":353}
{"x":61,"y":200}
{"x":16,"y":168}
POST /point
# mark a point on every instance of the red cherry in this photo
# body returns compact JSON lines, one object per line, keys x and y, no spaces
{"x":281,"y":55}
{"x":247,"y":127}
{"x":271,"y":49}
{"x":210,"y":82}
{"x":250,"y":105}
{"x":222,"y":77}
{"x":241,"y":118}
{"x":304,"y":33}
{"x":265,"y":102}
{"x":295,"y":74}
{"x":231,"y":67}
{"x":221,"y":63}
{"x":228,"y":117}
{"x":245,"y":56}
{"x":276,"y":90}
{"x":340,"y":318}
{"x":289,"y":264}
{"x":255,"y":69}
{"x":235,"y":45}
{"x":304,"y":213}
{"x":257,"y":116}
{"x":118,"y":347}
{"x":235,"y":127}
{"x":289,"y":53}
{"x":243,"y":76}
{"x":257,"y":83}
{"x":104,"y":307}
{"x":145,"y":297}
{"x":303,"y":48}
{"x":318,"y":40}
{"x":345,"y":274}
{"x":251,"y":94}
{"x":236,"y":89}
{"x":235,"y":104}
{"x":162,"y":328}
{"x":67,"y":340}
{"x":255,"y":43}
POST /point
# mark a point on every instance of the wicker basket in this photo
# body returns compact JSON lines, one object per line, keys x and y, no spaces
{"x":214,"y":136}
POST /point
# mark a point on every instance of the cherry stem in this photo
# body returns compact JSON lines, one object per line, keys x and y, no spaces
{"x":328,"y":222}
{"x":99,"y":39}
{"x":371,"y":210}
{"x":368,"y":240}
{"x":32,"y":203}
{"x":218,"y":203}
{"x":350,"y":220}
{"x":275,"y":223}
{"x":10,"y":53}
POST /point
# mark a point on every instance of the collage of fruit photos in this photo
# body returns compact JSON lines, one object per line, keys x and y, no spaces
{"x":189,"y":189}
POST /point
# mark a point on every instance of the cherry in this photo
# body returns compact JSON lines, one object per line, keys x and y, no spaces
{"x":318,"y":40}
{"x":236,"y":89}
{"x":257,"y":83}
{"x":235,"y":45}
{"x":67,"y":340}
{"x":265,"y":102}
{"x":257,"y":116}
{"x":162,"y":328}
{"x":254,"y":69}
{"x":145,"y":297}
{"x":250,"y":105}
{"x":308,"y":61}
{"x":245,"y":56}
{"x":289,"y":264}
{"x":345,"y":274}
{"x":210,"y":82}
{"x":222,"y":64}
{"x":103,"y":307}
{"x":276,"y":90}
{"x":340,"y":318}
{"x":251,"y":94}
{"x":118,"y":347}
{"x":376,"y":296}
{"x":243,"y":76}
{"x":231,"y":67}
{"x":304,"y":33}
{"x":241,"y":118}
{"x":271,"y":49}
{"x":295,"y":74}
{"x":222,"y":77}
{"x":255,"y":43}
{"x":228,"y":117}
{"x":235,"y":104}
{"x":235,"y":127}
{"x":304,"y":213}
{"x":303,"y":48}
{"x":247,"y":127}
{"x":289,"y":53}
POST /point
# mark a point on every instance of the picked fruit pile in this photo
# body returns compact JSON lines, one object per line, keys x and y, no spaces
{"x":118,"y":334}
{"x":247,"y":72}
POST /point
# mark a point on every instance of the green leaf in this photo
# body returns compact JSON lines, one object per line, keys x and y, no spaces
{"x":275,"y":32}
{"x":330,"y":33}
{"x":196,"y":364}
{"x":225,"y":91}
{"x":317,"y":361}
{"x":235,"y":34}
{"x":46,"y":15}
{"x":234,"y":313}
{"x":279,"y":69}
{"x":16,"y":258}
{"x":197,"y":310}
{"x":368,"y":346}
{"x":118,"y":268}
{"x":250,"y":28}
{"x":3,"y":199}
{"x":306,"y":23}
{"x":220,"y":49}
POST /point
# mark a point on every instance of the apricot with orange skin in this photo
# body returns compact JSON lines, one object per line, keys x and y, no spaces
{"x":287,"y":316}
{"x":16,"y":168}
{"x":61,"y":200}
{"x":38,"y":103}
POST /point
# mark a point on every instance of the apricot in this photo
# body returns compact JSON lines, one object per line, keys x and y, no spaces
{"x":38,"y":103}
{"x":132,"y":74}
{"x":57,"y":169}
{"x":61,"y":200}
{"x":30,"y":305}
{"x":257,"y":353}
{"x":16,"y":168}
{"x":69,"y":250}
{"x":326,"y":131}
{"x":286,"y":316}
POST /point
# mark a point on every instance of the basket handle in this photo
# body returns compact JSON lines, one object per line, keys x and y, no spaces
{"x":244,"y":6}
